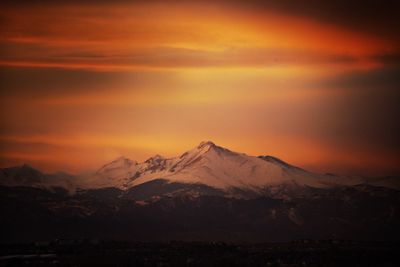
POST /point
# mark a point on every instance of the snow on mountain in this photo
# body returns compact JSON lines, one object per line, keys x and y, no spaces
{"x":221,"y":168}
{"x":118,"y":164}
{"x":21,"y":175}
{"x":27,"y":176}
{"x":207,"y":164}
{"x":217,"y":167}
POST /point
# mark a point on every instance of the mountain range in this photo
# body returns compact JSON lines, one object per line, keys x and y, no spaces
{"x":206,"y":164}
{"x":207,"y":193}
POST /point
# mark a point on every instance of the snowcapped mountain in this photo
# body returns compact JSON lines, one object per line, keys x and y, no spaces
{"x":27,"y":176}
{"x":208,"y":192}
{"x":207,"y":164}
{"x":217,"y":167}
{"x":21,"y":175}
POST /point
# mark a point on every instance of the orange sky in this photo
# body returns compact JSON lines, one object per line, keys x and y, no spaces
{"x":84,"y":83}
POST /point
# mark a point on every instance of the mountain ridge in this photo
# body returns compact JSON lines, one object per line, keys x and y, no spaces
{"x":208,"y":192}
{"x":207,"y":164}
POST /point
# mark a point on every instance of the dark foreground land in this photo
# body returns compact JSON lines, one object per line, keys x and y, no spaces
{"x":299,"y":253}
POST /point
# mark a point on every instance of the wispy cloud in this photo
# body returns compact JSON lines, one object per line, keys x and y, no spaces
{"x":313,"y":83}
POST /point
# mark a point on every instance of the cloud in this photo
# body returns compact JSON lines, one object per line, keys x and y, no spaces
{"x":390,"y":59}
{"x":314,"y":81}
{"x":36,"y":82}
{"x":159,"y":58}
{"x":372,"y":16}
{"x":378,"y":17}
{"x":378,"y":79}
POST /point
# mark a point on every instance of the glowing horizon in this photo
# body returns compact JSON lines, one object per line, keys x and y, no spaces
{"x":86,"y":83}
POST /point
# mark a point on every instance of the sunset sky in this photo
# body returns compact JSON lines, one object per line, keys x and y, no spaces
{"x":315,"y":83}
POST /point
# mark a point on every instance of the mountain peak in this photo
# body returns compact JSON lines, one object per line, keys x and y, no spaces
{"x":155,"y":159}
{"x":23,"y":169}
{"x":26,"y":166}
{"x":204,"y":147}
{"x":120,"y":162}
{"x":121,"y":158}
{"x":204,"y":144}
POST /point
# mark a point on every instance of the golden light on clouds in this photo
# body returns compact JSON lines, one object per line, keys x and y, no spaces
{"x":84,"y":83}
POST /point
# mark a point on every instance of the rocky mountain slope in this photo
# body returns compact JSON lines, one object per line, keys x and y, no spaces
{"x":220,"y":168}
{"x":207,"y":193}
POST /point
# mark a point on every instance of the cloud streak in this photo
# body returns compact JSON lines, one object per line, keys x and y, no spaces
{"x":315,"y":84}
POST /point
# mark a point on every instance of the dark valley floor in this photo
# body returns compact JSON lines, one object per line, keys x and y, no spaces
{"x":299,"y":253}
